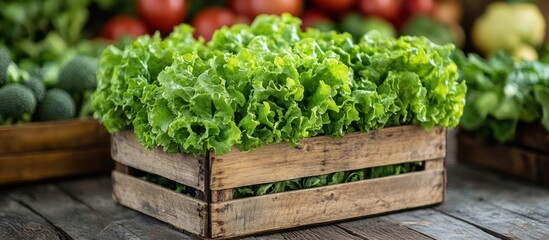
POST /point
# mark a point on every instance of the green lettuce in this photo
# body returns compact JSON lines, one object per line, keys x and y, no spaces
{"x":271,"y":82}
{"x":503,"y":92}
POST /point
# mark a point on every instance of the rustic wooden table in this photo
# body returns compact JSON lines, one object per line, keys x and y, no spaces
{"x":479,"y":205}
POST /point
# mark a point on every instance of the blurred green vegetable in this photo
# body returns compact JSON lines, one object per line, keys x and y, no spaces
{"x":502,"y":92}
{"x":17,"y":103}
{"x":56,"y":105}
{"x":438,"y":32}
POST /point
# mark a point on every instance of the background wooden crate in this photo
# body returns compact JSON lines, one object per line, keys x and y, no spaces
{"x":213,"y":213}
{"x":36,"y":151}
{"x":526,"y":157}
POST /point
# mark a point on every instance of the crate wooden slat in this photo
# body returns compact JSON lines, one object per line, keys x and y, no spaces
{"x":182,"y":168}
{"x":36,"y":151}
{"x":326,"y":204}
{"x":224,"y":217}
{"x":51,"y":135}
{"x":319,"y":155}
{"x":525,"y":157}
{"x":161,"y":203}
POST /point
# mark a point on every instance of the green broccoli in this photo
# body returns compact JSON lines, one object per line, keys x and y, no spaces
{"x":56,"y":105}
{"x":37,"y":86}
{"x":5,"y":60}
{"x":16,"y":101}
{"x":78,"y":75}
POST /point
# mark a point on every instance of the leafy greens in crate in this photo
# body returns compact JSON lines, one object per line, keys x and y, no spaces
{"x":270,"y":82}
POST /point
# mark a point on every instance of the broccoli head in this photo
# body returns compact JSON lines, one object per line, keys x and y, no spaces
{"x":15,"y":101}
{"x":78,"y":75}
{"x":5,"y":60}
{"x":37,"y":86}
{"x":57,"y":104}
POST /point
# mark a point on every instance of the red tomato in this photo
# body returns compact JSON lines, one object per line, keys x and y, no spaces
{"x":414,"y":7}
{"x":162,"y":15}
{"x":123,"y":26}
{"x":293,"y":7}
{"x":240,"y":6}
{"x":212,"y":18}
{"x":334,"y":6}
{"x":311,"y":18}
{"x":388,"y":9}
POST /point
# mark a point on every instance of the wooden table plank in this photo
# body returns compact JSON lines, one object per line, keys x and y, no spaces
{"x":96,"y":193}
{"x":518,"y":197}
{"x":381,"y":228}
{"x":74,"y":218}
{"x":18,"y":222}
{"x":320,"y":233}
{"x":439,"y":226}
{"x":491,"y":218}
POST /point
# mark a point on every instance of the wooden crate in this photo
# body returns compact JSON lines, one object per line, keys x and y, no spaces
{"x":214,"y":214}
{"x":526,"y":157}
{"x":37,"y":151}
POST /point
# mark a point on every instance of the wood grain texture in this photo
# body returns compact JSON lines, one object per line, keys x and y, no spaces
{"x":74,"y":218}
{"x":18,"y":222}
{"x":436,"y":164}
{"x":517,"y":197}
{"x":182,"y":168}
{"x":438,"y":226}
{"x":492,"y":219}
{"x":504,"y":158}
{"x":24,"y":167}
{"x":326,"y":204}
{"x":96,"y":193}
{"x":42,"y":136}
{"x":380,"y":228}
{"x":324,"y":154}
{"x":177,"y":209}
{"x":320,"y":233}
{"x":222,"y":195}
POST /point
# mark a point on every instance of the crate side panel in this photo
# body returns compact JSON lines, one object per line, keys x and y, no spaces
{"x":52,"y":135}
{"x":33,"y":166}
{"x":183,"y":212}
{"x":182,"y":168}
{"x":326,"y":204}
{"x":320,"y":155}
{"x":504,"y":158}
{"x":533,"y":136}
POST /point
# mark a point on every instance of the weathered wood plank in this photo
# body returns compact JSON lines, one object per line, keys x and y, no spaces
{"x":18,"y":222}
{"x":325,"y":204}
{"x":438,"y":226}
{"x":177,"y":209}
{"x":23,"y":167}
{"x":97,"y":194}
{"x":325,"y":154}
{"x":493,"y":219}
{"x":276,"y":236}
{"x":40,"y":136}
{"x":319,"y":233}
{"x":511,"y":160}
{"x":520,"y":198}
{"x":532,"y":136}
{"x":381,"y":228}
{"x":182,"y":168}
{"x":436,"y":164}
{"x":74,"y":218}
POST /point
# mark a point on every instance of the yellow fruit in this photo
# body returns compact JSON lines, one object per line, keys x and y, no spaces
{"x":525,"y":52}
{"x":508,"y":26}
